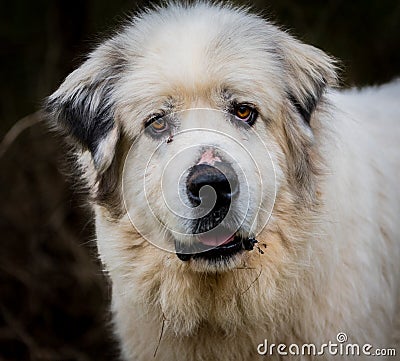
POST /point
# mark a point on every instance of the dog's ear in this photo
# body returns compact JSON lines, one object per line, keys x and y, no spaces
{"x":83,"y":107}
{"x":308,"y":71}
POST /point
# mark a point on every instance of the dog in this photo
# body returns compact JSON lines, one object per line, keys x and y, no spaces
{"x":239,"y":196}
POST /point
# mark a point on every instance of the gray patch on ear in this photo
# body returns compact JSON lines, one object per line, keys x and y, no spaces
{"x":306,"y":106}
{"x":87,"y":116}
{"x":307,"y":72}
{"x":83,"y":107}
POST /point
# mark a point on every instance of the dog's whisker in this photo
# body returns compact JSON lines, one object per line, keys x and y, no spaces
{"x":161,"y":335}
{"x":252,"y":283}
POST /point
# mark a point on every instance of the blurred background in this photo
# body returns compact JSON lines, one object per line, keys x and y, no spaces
{"x":53,"y":296}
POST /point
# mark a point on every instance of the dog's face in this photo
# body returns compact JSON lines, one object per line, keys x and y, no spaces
{"x":198,"y":177}
{"x":194,"y":125}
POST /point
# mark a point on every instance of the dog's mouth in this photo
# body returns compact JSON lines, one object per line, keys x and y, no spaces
{"x":213,"y":248}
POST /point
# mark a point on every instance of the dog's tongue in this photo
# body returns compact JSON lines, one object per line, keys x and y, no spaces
{"x":215,"y":240}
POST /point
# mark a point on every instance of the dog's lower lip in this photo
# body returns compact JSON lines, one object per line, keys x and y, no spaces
{"x":184,"y":256}
{"x":223,"y":251}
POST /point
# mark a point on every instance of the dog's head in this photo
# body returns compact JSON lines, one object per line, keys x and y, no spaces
{"x":192,"y":124}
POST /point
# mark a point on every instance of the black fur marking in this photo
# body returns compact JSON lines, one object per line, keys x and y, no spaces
{"x":86,"y":113}
{"x":304,"y":111}
{"x":306,"y":108}
{"x":88,"y":126}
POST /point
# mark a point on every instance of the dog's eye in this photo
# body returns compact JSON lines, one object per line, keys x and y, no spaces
{"x":157,"y":123}
{"x":245,"y":112}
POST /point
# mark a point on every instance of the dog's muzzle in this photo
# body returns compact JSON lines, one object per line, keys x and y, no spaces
{"x":212,"y":187}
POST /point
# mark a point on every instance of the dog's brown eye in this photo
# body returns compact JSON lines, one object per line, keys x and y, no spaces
{"x":157,"y":124}
{"x":245,"y":113}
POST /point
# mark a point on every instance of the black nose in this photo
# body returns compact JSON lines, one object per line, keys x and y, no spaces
{"x":222,"y":178}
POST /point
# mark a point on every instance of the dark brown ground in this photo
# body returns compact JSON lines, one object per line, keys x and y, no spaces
{"x":53,"y":297}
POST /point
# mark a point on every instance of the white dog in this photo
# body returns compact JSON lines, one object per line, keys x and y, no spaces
{"x":239,"y":199}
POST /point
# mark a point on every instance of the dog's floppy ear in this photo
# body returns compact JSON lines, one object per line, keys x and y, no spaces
{"x":308,"y":71}
{"x":83,"y":107}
